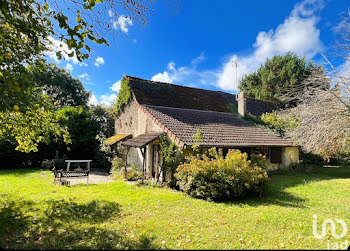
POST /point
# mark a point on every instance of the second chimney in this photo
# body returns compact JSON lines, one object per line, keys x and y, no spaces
{"x":242,"y":104}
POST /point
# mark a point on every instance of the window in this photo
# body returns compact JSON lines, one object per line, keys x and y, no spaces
{"x":276,"y":154}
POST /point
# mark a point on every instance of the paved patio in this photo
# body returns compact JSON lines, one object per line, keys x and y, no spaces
{"x":96,"y":176}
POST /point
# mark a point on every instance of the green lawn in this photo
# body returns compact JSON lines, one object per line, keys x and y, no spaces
{"x":34,"y":213}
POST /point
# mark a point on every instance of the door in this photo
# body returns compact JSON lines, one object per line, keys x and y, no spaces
{"x":156,"y":161}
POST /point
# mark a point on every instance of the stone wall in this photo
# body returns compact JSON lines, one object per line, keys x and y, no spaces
{"x":134,"y":121}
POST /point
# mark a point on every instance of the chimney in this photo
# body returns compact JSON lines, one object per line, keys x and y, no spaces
{"x":242,"y":106}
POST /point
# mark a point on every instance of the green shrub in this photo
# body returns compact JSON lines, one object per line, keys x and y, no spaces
{"x":117,"y":168}
{"x":259,"y":160}
{"x":118,"y":171}
{"x":221,"y":179}
{"x":278,"y":124}
{"x":133,"y":173}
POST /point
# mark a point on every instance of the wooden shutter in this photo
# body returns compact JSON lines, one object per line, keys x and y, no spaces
{"x":276,"y":154}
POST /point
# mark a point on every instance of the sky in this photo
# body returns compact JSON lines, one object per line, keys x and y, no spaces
{"x":200,"y":43}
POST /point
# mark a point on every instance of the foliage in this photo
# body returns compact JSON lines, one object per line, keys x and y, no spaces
{"x":279,"y":124}
{"x":259,"y":160}
{"x":60,"y":86}
{"x":172,"y":157}
{"x":232,"y":108}
{"x":197,"y":138}
{"x":221,"y":179}
{"x":117,"y":170}
{"x":344,"y":153}
{"x":274,"y":76}
{"x":121,"y":216}
{"x":124,"y":96}
{"x":133,"y":173}
{"x":82,"y":129}
{"x":104,"y":116}
{"x":31,"y":29}
{"x":274,"y":122}
{"x":27,"y":129}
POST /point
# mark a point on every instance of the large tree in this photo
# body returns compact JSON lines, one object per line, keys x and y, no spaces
{"x":278,"y":73}
{"x":31,"y":28}
{"x":60,"y":86}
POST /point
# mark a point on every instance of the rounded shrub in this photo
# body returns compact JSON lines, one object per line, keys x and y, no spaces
{"x":217,"y":178}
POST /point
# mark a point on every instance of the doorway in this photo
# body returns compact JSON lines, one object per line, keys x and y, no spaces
{"x":156,"y":161}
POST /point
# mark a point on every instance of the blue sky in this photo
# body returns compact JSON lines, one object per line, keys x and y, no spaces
{"x":199,"y":45}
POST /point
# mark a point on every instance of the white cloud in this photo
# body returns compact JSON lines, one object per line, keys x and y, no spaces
{"x":187,"y":75}
{"x":108,"y":99}
{"x":93,"y":100}
{"x":69,"y":67}
{"x":162,"y":77}
{"x":84,"y":76}
{"x":99,"y":61}
{"x":123,"y":22}
{"x":298,"y":33}
{"x":104,"y":100}
{"x":116,"y":86}
{"x":54,"y":46}
{"x":198,"y":59}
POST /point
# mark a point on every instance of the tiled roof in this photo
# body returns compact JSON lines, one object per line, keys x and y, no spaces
{"x":218,"y":128}
{"x":163,"y":94}
{"x":142,"y":140}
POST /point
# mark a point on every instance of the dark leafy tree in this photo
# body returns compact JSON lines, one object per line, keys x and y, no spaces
{"x":82,"y":129}
{"x":278,"y":73}
{"x":28,"y":30}
{"x":61,"y":87}
{"x":105,"y":118}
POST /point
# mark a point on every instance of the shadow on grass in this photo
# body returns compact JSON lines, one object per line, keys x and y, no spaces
{"x":13,"y":222}
{"x":280,"y":181}
{"x":65,"y":225}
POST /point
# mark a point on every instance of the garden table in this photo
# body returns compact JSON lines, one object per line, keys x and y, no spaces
{"x":78,"y":161}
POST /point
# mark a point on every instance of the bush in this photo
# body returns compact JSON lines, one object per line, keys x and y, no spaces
{"x":259,"y":160}
{"x":117,"y":170}
{"x":221,"y":179}
{"x":133,"y":173}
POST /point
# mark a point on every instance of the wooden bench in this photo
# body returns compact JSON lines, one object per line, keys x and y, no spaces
{"x":59,"y":174}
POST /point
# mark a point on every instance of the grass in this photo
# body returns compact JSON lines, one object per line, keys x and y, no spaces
{"x":34,"y":213}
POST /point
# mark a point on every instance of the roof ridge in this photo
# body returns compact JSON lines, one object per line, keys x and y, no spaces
{"x":165,"y":83}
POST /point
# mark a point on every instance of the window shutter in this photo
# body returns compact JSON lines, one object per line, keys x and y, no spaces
{"x":276,"y":155}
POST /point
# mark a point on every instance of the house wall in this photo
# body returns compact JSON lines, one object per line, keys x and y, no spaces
{"x":290,"y":156}
{"x":134,"y":121}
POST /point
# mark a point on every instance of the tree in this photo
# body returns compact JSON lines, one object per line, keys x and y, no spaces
{"x":105,"y":118}
{"x":28,"y":29}
{"x":269,"y":81}
{"x":82,"y":129}
{"x":60,"y":86}
{"x":26,"y":130}
{"x":324,"y":113}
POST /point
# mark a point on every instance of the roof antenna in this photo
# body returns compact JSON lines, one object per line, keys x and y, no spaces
{"x":235,"y":65}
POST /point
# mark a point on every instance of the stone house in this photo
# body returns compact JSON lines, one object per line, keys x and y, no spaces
{"x":179,"y":112}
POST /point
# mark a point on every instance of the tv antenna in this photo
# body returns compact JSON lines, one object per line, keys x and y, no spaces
{"x":235,"y":66}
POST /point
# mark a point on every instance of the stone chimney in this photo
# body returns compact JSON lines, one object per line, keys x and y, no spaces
{"x":242,"y":104}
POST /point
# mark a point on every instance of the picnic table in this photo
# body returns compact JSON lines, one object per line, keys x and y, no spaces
{"x":78,"y":161}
